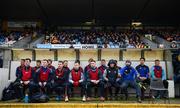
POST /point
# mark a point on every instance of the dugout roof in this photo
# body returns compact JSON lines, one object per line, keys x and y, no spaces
{"x":104,"y":11}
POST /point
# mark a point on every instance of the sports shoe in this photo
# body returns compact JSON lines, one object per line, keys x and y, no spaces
{"x":84,"y":98}
{"x":66,"y":99}
{"x":139,"y":100}
{"x":58,"y":98}
{"x":102,"y":99}
{"x":88,"y":99}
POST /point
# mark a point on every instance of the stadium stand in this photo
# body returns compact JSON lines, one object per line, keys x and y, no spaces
{"x":129,"y":39}
{"x":9,"y":38}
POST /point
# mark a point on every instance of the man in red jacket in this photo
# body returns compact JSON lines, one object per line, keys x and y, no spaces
{"x":43,"y":77}
{"x":76,"y":78}
{"x":24,"y":77}
{"x":94,"y":79}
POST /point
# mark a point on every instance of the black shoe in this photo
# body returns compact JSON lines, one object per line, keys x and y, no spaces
{"x":116,"y":97}
{"x":126,"y":97}
{"x":110,"y":98}
{"x":142,"y":98}
{"x":139,"y":100}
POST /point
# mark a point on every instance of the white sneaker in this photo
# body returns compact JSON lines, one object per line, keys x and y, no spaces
{"x":66,"y":99}
{"x":84,"y":98}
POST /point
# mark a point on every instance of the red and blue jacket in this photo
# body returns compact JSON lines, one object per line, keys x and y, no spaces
{"x":43,"y":75}
{"x":24,"y":73}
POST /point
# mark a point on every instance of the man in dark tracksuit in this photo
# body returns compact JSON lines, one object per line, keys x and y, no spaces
{"x":37,"y":67}
{"x":88,"y":66}
{"x":43,"y":77}
{"x":50,"y":66}
{"x":103,"y":66}
{"x":143,"y":79}
{"x":94,"y":78}
{"x":76,"y":79}
{"x":118,"y":67}
{"x":66,"y":68}
{"x":111,"y":77}
{"x":19,"y":68}
{"x":129,"y":76}
{"x":60,"y":81}
{"x":24,"y":77}
{"x":66,"y":65}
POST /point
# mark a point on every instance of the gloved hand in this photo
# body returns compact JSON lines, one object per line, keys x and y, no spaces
{"x":76,"y":84}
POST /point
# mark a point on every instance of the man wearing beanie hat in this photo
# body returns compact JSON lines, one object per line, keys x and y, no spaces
{"x":129,"y":75}
{"x":110,"y":76}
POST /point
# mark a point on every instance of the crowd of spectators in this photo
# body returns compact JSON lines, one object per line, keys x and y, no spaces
{"x":108,"y":39}
{"x":104,"y":39}
{"x":9,"y":38}
{"x":169,"y":35}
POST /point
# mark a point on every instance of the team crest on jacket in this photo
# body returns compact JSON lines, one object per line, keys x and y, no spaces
{"x":127,"y":71}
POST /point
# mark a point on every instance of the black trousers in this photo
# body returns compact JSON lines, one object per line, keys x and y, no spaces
{"x":22,"y":89}
{"x":60,"y":88}
{"x":100,"y":86}
{"x":35,"y":87}
{"x":110,"y":85}
{"x":143,"y":83}
{"x":71,"y":86}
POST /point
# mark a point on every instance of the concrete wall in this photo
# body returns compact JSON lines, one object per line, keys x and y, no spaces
{"x":152,"y":44}
{"x":23,"y":43}
{"x":4,"y":73}
{"x":70,"y":54}
{"x":6,"y":58}
{"x":162,"y":41}
{"x":37,"y":41}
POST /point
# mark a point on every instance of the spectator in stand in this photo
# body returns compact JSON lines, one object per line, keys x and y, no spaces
{"x":10,"y":37}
